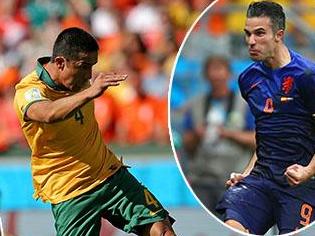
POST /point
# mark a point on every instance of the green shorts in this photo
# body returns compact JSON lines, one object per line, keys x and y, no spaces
{"x":121,"y":199}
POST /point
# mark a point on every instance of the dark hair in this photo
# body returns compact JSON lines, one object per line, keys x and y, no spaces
{"x":215,"y":60}
{"x":270,"y":9}
{"x":72,"y":41}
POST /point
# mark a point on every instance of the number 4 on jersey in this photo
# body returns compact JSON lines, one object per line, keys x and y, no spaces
{"x":150,"y":199}
{"x":269,"y":106}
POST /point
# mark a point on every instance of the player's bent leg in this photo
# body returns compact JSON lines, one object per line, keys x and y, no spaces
{"x":129,"y":205}
{"x":236,"y":225}
{"x":248,"y":206}
{"x":159,"y":228}
{"x":77,"y":216}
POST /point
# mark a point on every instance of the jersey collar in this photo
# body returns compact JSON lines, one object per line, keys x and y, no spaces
{"x":43,"y":75}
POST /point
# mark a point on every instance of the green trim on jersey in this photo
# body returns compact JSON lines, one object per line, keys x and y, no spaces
{"x":121,"y":199}
{"x":43,"y":75}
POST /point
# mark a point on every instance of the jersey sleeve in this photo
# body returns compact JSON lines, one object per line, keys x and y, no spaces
{"x":25,"y":97}
{"x":241,"y":85}
{"x":306,"y":87}
{"x":247,"y":78}
{"x":249,"y":120}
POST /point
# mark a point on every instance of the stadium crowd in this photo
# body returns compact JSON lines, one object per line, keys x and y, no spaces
{"x":137,"y":37}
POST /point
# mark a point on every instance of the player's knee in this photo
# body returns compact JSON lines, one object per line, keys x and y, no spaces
{"x":161,"y":228}
{"x":236,"y":225}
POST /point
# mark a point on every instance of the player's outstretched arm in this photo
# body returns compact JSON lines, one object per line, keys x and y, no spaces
{"x":297,"y":174}
{"x":237,"y":177}
{"x":51,"y":111}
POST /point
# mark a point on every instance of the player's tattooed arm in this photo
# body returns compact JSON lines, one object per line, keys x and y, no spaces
{"x":297,"y":174}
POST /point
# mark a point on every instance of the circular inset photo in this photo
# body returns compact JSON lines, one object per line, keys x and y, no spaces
{"x":242,"y":115}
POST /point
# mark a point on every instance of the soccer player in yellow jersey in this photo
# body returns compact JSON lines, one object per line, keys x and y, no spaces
{"x":71,"y":166}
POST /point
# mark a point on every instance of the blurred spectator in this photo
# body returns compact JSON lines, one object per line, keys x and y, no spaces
{"x":106,"y":112}
{"x":104,"y":20}
{"x":180,"y":14}
{"x":124,"y":5}
{"x":13,"y":26}
{"x":219,"y":133}
{"x":144,"y":17}
{"x":301,"y":42}
{"x":9,"y":125}
{"x":137,"y":37}
{"x":135,"y":119}
{"x":210,"y":31}
{"x":77,"y":15}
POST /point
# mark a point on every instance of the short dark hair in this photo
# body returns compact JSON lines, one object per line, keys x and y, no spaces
{"x":72,"y":41}
{"x":270,"y":9}
{"x":215,"y":60}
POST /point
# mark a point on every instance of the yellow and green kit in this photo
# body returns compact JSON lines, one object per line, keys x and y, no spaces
{"x":74,"y":170}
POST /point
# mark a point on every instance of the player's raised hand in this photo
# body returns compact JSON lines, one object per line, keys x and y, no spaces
{"x":234,"y":179}
{"x":101,"y":81}
{"x":297,"y":174}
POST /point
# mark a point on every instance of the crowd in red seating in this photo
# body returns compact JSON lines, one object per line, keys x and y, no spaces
{"x":137,"y":37}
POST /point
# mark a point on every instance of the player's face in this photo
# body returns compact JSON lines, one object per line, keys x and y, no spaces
{"x":218,"y":75}
{"x":77,"y":73}
{"x":260,"y":38}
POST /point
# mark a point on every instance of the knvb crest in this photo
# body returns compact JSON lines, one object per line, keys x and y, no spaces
{"x":287,"y":84}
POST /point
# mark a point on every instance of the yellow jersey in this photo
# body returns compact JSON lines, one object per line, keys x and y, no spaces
{"x":69,"y":157}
